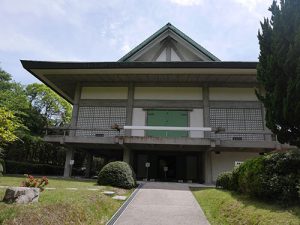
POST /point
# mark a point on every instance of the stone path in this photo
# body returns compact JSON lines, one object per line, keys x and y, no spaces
{"x":163,"y":204}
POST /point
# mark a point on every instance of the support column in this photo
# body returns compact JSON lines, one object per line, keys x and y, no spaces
{"x":75,"y":109}
{"x":129,"y":108}
{"x":89,"y":162}
{"x":126,"y":155}
{"x":208,"y":167}
{"x":68,"y":167}
{"x":205,"y":94}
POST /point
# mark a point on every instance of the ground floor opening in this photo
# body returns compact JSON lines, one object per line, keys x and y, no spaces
{"x":176,"y":163}
{"x":169,"y":166}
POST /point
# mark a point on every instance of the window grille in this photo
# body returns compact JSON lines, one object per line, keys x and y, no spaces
{"x":96,"y":117}
{"x":242,"y":119}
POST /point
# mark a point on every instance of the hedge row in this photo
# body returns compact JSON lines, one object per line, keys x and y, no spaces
{"x":273,"y":177}
{"x":14,"y":167}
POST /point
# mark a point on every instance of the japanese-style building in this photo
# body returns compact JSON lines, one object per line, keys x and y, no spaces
{"x":168,"y":80}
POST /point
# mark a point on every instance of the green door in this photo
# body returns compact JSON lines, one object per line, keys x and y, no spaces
{"x":168,"y":118}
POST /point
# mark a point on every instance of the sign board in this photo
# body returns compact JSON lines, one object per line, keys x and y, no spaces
{"x":71,"y":162}
{"x":237,"y":163}
{"x":147,"y":164}
{"x":166,"y":168}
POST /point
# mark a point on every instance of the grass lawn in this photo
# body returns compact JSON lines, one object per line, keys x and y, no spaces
{"x":223,"y":207}
{"x":61,"y":206}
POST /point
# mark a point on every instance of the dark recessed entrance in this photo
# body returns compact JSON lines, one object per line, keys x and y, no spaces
{"x":169,"y":166}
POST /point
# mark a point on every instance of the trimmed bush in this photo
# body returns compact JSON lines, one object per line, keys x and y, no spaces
{"x":282,"y":176}
{"x":13,"y":167}
{"x":250,"y":179}
{"x":117,"y":174}
{"x":224,"y":180}
{"x":273,"y":177}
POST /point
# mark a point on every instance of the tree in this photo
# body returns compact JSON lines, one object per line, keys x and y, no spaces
{"x":24,"y":112}
{"x":279,"y":70}
{"x":8,"y":126}
{"x":12,"y":95}
{"x":55,"y":109}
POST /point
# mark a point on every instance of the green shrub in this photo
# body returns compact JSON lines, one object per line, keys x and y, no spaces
{"x":282,"y":176}
{"x":234,"y":184}
{"x":250,"y":177}
{"x":274,"y":177}
{"x":13,"y":167}
{"x":224,"y":180}
{"x":118,"y":174}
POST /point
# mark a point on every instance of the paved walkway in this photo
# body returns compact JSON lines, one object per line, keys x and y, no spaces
{"x":163,"y":204}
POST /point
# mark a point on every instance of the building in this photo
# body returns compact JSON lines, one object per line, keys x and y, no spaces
{"x":168,"y":80}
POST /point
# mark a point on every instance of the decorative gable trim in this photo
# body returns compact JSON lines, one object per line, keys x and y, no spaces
{"x":168,"y":28}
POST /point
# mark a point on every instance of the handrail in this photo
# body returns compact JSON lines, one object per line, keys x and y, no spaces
{"x":119,"y":128}
{"x":90,"y":129}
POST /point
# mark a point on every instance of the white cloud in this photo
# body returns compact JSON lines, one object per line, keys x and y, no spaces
{"x":106,"y":30}
{"x":125,"y":48}
{"x":187,"y":2}
{"x":250,"y":4}
{"x":17,"y":42}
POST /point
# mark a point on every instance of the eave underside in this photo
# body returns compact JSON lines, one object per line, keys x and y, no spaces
{"x":63,"y":77}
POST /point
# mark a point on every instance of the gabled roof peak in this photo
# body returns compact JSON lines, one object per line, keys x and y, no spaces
{"x":177,"y":32}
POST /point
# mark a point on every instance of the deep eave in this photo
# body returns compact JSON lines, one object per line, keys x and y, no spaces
{"x":62,"y":77}
{"x":29,"y":65}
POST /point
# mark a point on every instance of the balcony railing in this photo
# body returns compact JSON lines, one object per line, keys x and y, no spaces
{"x":210,"y":133}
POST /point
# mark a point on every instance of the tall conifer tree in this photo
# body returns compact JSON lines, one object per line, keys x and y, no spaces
{"x":279,"y":70}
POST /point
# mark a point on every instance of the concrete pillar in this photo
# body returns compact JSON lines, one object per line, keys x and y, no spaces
{"x":68,"y":167}
{"x":129,"y":108}
{"x":75,"y":109}
{"x":205,"y":94}
{"x":89,"y":162}
{"x":207,"y":167}
{"x":126,"y":155}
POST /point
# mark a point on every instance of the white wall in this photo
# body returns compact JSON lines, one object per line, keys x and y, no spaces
{"x":225,"y":161}
{"x":174,"y":56}
{"x":233,"y":94}
{"x":163,"y":56}
{"x":188,"y":55}
{"x":138,"y":119}
{"x":104,"y":93}
{"x":168,"y":93}
{"x":196,"y":120}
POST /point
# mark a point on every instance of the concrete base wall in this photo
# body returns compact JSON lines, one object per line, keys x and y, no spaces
{"x":225,"y":161}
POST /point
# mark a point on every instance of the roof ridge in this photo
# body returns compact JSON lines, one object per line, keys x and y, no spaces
{"x":178,"y":32}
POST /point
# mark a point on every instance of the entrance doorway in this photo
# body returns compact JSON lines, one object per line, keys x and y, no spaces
{"x":167,"y":168}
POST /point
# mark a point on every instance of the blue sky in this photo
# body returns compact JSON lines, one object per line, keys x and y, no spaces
{"x":98,"y":30}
